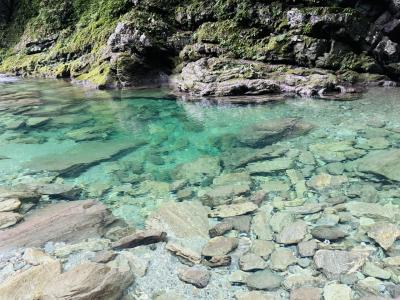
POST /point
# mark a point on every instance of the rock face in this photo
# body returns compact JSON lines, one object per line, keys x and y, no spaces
{"x":69,"y":221}
{"x":134,"y":51}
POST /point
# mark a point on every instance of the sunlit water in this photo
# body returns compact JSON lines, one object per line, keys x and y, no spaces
{"x":164,"y":134}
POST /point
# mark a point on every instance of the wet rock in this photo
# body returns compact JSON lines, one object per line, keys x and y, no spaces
{"x":89,"y":281}
{"x":293,"y":233}
{"x":326,"y":181}
{"x":373,"y":210}
{"x":66,"y":221}
{"x":128,"y":261}
{"x":371,"y":269}
{"x":307,"y":248}
{"x":370,"y":285}
{"x":392,"y":261}
{"x":384,"y":233}
{"x":35,"y":122}
{"x":302,"y":279}
{"x":218,"y":261}
{"x":270,"y":167}
{"x":337,"y":291}
{"x":378,"y":143}
{"x":220,"y":229}
{"x":225,"y":211}
{"x":59,"y":190}
{"x":262,"y":248}
{"x":197,"y":276}
{"x":251,"y":262}
{"x":335,"y":262}
{"x":79,"y":158}
{"x":336,"y":151}
{"x":385,"y":163}
{"x":183,"y":252}
{"x":201,"y":171}
{"x":238,"y":277}
{"x":219,"y":246}
{"x":281,"y":259}
{"x":280,"y":220}
{"x":327,"y":233}
{"x":306,"y":209}
{"x":8,"y":219}
{"x":139,"y":238}
{"x":260,"y":224}
{"x":184,"y":222}
{"x":264,"y":280}
{"x":7,"y":205}
{"x":309,"y":293}
{"x":240,"y":223}
{"x":262,"y":134}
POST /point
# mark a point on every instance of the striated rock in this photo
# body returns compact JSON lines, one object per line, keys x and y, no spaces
{"x":66,"y":221}
{"x":139,"y":238}
{"x":264,"y":280}
{"x":89,"y":281}
{"x":292,"y":233}
{"x":282,"y":258}
{"x":232,"y":210}
{"x":185,"y":253}
{"x":325,"y":232}
{"x":220,"y":229}
{"x":251,"y":262}
{"x":219,"y":246}
{"x":197,"y":276}
{"x":309,"y":293}
{"x":8,"y":219}
{"x":335,"y":262}
{"x":384,"y":233}
{"x":337,"y":291}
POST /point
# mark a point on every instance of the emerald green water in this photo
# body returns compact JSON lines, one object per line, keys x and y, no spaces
{"x":164,"y":134}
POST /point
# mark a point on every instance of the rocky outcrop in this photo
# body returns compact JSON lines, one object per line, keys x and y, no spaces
{"x":334,"y":44}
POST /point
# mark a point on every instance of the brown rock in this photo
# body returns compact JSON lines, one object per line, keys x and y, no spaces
{"x":262,"y":248}
{"x":220,"y":246}
{"x":218,"y":261}
{"x":197,"y":276}
{"x":282,"y":258}
{"x":89,"y":281}
{"x":306,"y":293}
{"x":220,"y":229}
{"x":104,"y":256}
{"x":292,"y":233}
{"x":384,"y":233}
{"x":183,"y":252}
{"x":231,"y":210}
{"x":140,"y":238}
{"x":251,"y":262}
{"x":7,"y":205}
{"x":66,"y":221}
{"x":240,"y":223}
{"x":8,"y":219}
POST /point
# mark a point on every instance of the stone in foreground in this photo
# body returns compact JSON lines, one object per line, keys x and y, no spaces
{"x":197,"y":276}
{"x":264,"y":280}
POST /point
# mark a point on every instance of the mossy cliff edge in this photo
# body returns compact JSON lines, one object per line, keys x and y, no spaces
{"x":119,"y":43}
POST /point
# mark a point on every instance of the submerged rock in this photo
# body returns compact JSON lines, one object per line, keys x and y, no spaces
{"x":220,"y":246}
{"x":264,"y":280}
{"x":8,"y":219}
{"x":80,"y":158}
{"x":197,"y":276}
{"x":384,"y":164}
{"x":384,"y":233}
{"x":201,"y":171}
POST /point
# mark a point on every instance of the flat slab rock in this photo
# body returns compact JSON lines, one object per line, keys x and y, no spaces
{"x":66,"y":221}
{"x":79,"y":158}
{"x":384,"y":163}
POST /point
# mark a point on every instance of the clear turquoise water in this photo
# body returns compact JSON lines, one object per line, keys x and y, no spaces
{"x":167,"y":133}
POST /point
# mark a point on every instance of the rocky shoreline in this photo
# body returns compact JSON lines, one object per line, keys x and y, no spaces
{"x":328,"y":49}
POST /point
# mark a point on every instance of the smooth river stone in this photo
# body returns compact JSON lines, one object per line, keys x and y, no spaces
{"x":80,"y":158}
{"x":220,"y":246}
{"x":384,"y":163}
{"x":264,"y":280}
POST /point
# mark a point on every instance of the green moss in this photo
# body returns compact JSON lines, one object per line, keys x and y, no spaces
{"x":99,"y":76}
